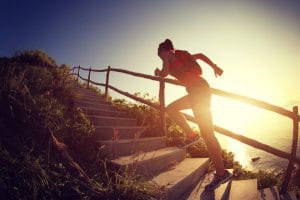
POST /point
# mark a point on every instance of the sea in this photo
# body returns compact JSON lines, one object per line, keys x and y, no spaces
{"x":275,"y":134}
{"x":258,"y":124}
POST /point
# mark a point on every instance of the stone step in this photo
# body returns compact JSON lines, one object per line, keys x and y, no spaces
{"x":182,"y":176}
{"x":99,"y":106}
{"x":123,"y":132}
{"x":101,"y":112}
{"x":94,"y":100}
{"x":111,"y":121}
{"x":150,"y":163}
{"x":232,"y":190}
{"x":268,"y":194}
{"x":88,"y":95}
{"x":242,"y":189}
{"x":84,"y":88}
{"x":124,"y":147}
{"x":79,"y":88}
{"x":83,"y":91}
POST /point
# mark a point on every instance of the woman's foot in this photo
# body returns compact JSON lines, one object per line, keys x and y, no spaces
{"x":218,"y":180}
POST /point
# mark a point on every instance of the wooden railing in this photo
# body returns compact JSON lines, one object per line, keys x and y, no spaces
{"x":293,"y":115}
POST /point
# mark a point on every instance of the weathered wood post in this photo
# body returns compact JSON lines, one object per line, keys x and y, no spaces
{"x":107,"y":83}
{"x":78,"y":72}
{"x":89,"y":77}
{"x":292,"y":158}
{"x":162,"y":105}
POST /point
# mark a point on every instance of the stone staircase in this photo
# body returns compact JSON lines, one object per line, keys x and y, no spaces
{"x":168,"y":167}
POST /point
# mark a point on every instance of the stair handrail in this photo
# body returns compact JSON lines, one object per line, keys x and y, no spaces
{"x":161,"y":107}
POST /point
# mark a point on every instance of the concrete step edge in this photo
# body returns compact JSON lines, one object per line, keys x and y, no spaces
{"x":89,"y":95}
{"x":152,"y":162}
{"x":92,"y":104}
{"x":119,"y":127}
{"x":123,"y":147}
{"x":83,"y":89}
{"x":86,"y":92}
{"x":101,"y":107}
{"x":182,"y":176}
{"x":99,"y":110}
{"x":122,"y":141}
{"x":125,"y":160}
{"x":87,"y":99}
{"x":96,"y":107}
{"x":247,"y":189}
{"x":123,"y":132}
{"x":112,"y":118}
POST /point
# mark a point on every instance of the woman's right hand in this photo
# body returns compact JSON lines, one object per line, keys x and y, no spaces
{"x":218,"y":71}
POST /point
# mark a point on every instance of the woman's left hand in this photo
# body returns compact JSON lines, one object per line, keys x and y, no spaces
{"x":156,"y":72}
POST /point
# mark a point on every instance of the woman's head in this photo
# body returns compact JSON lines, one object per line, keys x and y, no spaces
{"x":167,"y":45}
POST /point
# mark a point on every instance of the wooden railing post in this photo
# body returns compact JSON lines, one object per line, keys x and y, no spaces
{"x":292,"y":158}
{"x":162,"y":105}
{"x":78,"y":72}
{"x":107,"y":83}
{"x":89,"y":78}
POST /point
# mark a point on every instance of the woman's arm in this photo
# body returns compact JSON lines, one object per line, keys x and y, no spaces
{"x":217,"y":70}
{"x":165,"y":68}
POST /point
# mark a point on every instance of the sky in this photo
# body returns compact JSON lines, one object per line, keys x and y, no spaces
{"x":256,"y":43}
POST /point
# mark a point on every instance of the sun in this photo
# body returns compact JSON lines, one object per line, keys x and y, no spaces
{"x":238,"y":118}
{"x":233,"y":115}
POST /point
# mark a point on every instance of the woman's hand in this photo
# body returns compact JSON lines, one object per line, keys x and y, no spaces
{"x":218,"y":71}
{"x":157,"y":72}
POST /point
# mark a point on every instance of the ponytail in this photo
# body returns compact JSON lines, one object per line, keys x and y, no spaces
{"x":167,"y":45}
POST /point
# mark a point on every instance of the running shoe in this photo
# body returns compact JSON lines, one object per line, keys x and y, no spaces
{"x":218,"y":180}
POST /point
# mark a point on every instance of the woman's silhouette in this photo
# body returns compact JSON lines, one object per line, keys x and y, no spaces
{"x":178,"y":63}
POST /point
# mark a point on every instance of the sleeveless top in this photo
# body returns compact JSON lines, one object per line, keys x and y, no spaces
{"x":187,"y":78}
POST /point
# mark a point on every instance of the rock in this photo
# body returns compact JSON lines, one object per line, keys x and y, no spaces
{"x":255,"y":159}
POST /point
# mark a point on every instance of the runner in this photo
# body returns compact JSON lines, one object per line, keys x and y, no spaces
{"x":183,"y":66}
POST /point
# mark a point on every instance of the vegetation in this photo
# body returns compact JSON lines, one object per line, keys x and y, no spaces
{"x":45,"y":142}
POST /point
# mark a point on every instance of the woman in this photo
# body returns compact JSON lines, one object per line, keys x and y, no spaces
{"x":198,"y":99}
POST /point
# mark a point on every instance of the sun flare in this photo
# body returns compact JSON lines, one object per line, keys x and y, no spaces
{"x":237,"y":117}
{"x":233,"y":115}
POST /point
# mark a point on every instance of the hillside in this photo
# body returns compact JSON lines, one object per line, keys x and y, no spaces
{"x":45,"y":142}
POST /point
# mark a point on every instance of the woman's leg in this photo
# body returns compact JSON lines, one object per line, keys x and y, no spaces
{"x":173,"y":111}
{"x":203,"y":116}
